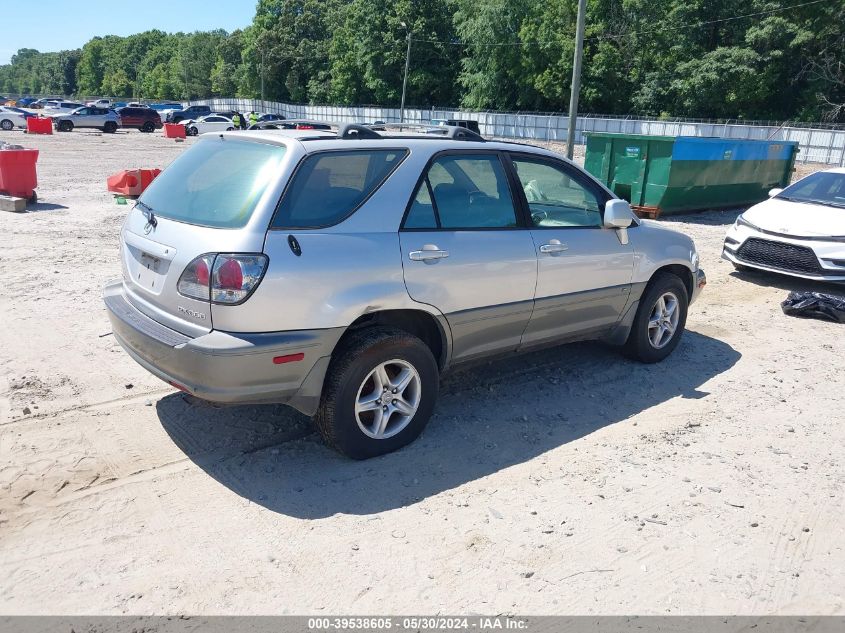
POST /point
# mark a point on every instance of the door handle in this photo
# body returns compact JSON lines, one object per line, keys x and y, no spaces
{"x":554,"y":246}
{"x":429,"y":254}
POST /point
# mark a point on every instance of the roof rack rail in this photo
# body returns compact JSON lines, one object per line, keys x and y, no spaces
{"x":460,"y":133}
{"x":455,"y":132}
{"x":357,"y":131}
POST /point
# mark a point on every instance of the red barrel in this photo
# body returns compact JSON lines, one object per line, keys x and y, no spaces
{"x":174,"y":130}
{"x":18,"y":177}
{"x":131,"y":182}
{"x":37,"y":125}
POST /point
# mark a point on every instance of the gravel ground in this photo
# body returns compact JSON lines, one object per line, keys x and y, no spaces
{"x":568,"y":481}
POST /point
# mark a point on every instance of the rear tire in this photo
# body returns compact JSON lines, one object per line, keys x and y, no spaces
{"x":192,"y":131}
{"x":6,"y":125}
{"x":377,"y":372}
{"x":657,"y":330}
{"x":230,"y":129}
{"x":110,"y":127}
{"x":148,"y":127}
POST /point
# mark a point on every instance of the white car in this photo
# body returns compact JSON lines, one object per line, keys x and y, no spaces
{"x":10,"y":118}
{"x":209,"y":123}
{"x":62,"y":107}
{"x":798,"y":231}
{"x":100,"y":103}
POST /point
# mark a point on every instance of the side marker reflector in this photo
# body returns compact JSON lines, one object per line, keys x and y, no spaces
{"x":290,"y":358}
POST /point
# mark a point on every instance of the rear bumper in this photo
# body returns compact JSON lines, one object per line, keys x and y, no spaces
{"x":226,"y":367}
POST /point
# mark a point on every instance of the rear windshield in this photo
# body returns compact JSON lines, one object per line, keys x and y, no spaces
{"x":215,"y":183}
{"x":329,"y":186}
{"x":822,"y":187}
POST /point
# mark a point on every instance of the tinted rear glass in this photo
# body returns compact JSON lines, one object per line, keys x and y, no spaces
{"x":215,"y":183}
{"x":329,"y":186}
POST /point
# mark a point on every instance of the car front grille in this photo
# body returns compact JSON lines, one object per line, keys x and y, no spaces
{"x":786,"y":257}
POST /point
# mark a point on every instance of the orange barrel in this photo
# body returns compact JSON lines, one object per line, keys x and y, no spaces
{"x":38,"y":125}
{"x":174,"y":130}
{"x":131,"y":182}
{"x":18,"y":177}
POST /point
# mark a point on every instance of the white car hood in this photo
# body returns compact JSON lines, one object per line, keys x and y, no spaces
{"x":797,"y":218}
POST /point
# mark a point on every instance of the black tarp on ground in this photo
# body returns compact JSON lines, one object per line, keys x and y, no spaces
{"x":815,"y":305}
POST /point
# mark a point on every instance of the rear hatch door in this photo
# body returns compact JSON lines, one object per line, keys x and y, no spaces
{"x":215,"y":198}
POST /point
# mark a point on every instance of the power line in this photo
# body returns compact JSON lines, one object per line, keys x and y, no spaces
{"x":613,"y":36}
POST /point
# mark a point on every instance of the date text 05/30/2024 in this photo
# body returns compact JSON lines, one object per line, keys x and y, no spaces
{"x":422,"y":623}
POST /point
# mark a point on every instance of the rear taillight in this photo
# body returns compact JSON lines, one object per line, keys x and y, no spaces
{"x":227,"y":278}
{"x":194,"y":280}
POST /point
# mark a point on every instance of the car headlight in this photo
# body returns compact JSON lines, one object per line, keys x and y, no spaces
{"x":741,"y":221}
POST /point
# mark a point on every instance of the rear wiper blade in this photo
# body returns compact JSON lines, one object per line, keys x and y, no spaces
{"x":148,"y":213}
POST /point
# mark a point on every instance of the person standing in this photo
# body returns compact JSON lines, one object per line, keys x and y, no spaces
{"x":236,"y":121}
{"x":253,"y":118}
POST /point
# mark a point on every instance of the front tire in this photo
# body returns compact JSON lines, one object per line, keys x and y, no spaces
{"x":660,"y":320}
{"x":379,"y":393}
{"x":6,"y":125}
{"x":148,"y":127}
{"x":66,"y":126}
{"x":192,"y":131}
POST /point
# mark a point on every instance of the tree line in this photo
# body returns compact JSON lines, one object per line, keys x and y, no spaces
{"x":753,"y":59}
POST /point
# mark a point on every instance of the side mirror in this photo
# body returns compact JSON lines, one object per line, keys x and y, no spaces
{"x":774,"y":192}
{"x":618,"y":214}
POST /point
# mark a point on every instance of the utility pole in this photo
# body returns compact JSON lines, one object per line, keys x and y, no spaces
{"x":185,"y":66}
{"x":405,"y":80}
{"x":576,"y":78}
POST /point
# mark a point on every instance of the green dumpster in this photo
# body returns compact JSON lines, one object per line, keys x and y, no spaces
{"x":669,"y":175}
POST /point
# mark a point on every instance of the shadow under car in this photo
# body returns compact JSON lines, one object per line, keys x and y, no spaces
{"x":489,"y":417}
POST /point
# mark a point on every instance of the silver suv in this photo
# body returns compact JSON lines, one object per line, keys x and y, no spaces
{"x":100,"y":118}
{"x":341,"y":272}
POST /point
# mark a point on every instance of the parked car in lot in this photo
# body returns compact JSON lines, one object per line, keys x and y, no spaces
{"x":100,"y":103}
{"x":798,"y":231}
{"x":44,"y":102}
{"x":191,"y":112}
{"x":11,"y":117}
{"x":466,"y":123}
{"x":166,"y":106}
{"x":59,"y":107}
{"x":342,"y":273}
{"x":88,"y":117}
{"x":269,"y":118}
{"x":210,"y":123}
{"x":145,"y":119}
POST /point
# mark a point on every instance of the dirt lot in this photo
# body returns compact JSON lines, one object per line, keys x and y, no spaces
{"x":561,"y":482}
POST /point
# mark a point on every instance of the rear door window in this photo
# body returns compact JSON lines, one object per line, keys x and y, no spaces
{"x":215,"y":183}
{"x":329,"y":186}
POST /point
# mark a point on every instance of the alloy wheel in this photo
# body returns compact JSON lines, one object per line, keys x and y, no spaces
{"x":388,"y":399}
{"x":663,"y":320}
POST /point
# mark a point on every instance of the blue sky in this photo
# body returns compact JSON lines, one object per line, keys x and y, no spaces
{"x":54,"y":25}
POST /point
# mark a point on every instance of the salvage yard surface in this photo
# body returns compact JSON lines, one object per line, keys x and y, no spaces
{"x":569,"y":481}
